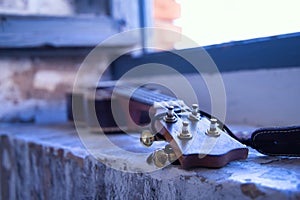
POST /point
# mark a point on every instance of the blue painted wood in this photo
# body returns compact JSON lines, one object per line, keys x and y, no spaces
{"x":44,"y":31}
{"x":262,"y":53}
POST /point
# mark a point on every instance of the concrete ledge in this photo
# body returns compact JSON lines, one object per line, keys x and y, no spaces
{"x":50,"y":162}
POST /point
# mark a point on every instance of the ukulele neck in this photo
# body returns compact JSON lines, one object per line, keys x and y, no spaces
{"x":146,"y":96}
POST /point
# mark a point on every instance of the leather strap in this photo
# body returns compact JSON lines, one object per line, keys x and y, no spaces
{"x":279,"y":141}
{"x":274,"y":141}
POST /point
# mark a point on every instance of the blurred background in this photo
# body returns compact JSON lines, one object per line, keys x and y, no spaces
{"x":255,"y":45}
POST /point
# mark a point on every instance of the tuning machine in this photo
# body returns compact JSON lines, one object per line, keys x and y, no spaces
{"x":194,"y":115}
{"x":213,"y":128}
{"x":170,"y":116}
{"x":147,"y":138}
{"x":161,"y":157}
{"x":185,"y":133}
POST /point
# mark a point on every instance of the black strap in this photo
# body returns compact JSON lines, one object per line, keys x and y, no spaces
{"x":274,"y":141}
{"x":277,"y":141}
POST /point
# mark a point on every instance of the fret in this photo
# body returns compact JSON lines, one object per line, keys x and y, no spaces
{"x":143,"y":95}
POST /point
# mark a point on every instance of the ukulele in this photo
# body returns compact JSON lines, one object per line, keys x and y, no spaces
{"x":195,"y":139}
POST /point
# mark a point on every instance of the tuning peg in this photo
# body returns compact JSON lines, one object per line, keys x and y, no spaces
{"x":213,"y":128}
{"x":160,"y":158}
{"x":185,"y":134}
{"x":195,"y":109}
{"x":147,"y":138}
{"x":170,"y":116}
{"x":171,"y":154}
{"x":195,"y":115}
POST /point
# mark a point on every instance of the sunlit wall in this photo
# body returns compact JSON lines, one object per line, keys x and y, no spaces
{"x":217,"y":21}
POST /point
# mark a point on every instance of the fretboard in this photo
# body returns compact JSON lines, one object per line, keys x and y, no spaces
{"x":143,"y":95}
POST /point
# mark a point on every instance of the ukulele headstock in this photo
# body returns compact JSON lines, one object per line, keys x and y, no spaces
{"x":198,"y":141}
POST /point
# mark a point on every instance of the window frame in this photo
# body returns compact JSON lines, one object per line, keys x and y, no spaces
{"x":279,"y":51}
{"x":20,"y":35}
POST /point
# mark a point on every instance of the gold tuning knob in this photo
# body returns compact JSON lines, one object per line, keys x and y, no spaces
{"x":160,"y":158}
{"x":171,"y":154}
{"x":147,"y":138}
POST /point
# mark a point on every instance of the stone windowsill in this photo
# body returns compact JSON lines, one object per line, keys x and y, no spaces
{"x":50,"y":162}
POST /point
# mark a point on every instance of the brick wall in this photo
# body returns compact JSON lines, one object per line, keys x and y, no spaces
{"x":32,"y":88}
{"x":29,"y":84}
{"x":164,"y":14}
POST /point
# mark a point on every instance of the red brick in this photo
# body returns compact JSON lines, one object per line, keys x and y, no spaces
{"x":166,"y":9}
